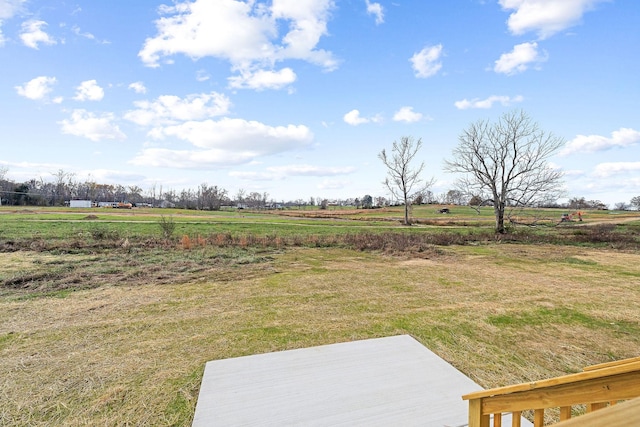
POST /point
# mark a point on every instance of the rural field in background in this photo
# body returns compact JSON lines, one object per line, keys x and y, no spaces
{"x":107,"y":316}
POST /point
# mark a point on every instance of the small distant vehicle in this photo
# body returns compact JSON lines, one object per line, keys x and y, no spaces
{"x":122,"y":205}
{"x":444,"y":211}
{"x":568,"y":217}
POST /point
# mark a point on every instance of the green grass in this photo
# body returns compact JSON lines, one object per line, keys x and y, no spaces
{"x":561,"y":316}
{"x":105,"y":322}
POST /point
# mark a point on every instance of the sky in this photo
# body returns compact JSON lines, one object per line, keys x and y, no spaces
{"x":296,"y":98}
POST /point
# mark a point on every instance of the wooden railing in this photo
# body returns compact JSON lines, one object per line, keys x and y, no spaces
{"x":597,"y":387}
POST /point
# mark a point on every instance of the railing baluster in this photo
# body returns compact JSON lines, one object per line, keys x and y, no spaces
{"x":595,"y":406}
{"x":538,"y":418}
{"x":565,"y":413}
{"x":516,"y":418}
{"x":497,"y":420}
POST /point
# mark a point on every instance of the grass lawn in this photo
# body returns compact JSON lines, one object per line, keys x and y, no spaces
{"x":120,"y":336}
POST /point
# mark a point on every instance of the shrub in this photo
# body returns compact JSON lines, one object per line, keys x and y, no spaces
{"x":167,"y":226}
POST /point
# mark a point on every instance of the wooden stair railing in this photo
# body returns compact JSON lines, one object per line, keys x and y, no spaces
{"x":597,"y":387}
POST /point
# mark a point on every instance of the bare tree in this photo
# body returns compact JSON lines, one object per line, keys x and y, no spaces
{"x":63,"y":186}
{"x":506,"y":163}
{"x":403,"y":180}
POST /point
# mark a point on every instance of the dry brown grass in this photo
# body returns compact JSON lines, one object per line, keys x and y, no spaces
{"x":134,"y":354}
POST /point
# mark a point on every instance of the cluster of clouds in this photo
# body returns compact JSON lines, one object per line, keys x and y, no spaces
{"x":545,"y":19}
{"x":246,"y":34}
{"x":404,"y":114}
{"x":257,"y":39}
{"x":33,"y":32}
{"x":197,"y":119}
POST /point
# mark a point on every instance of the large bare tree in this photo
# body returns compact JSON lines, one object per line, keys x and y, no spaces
{"x":403,"y":179}
{"x":506,"y":162}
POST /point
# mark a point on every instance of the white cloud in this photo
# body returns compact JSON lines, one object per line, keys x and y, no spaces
{"x":190,"y":159}
{"x":88,"y":125}
{"x":376,"y":10}
{"x":247,"y":34}
{"x":283,"y":172}
{"x":89,"y":91}
{"x":487,"y":103}
{"x":138,"y":87}
{"x":426,"y":63}
{"x":8,"y":8}
{"x":77,"y":31}
{"x":309,"y":170}
{"x":406,"y":114}
{"x":37,"y":88}
{"x":202,"y":76}
{"x":330,"y":184}
{"x":354,"y":119}
{"x":239,"y":135}
{"x":545,"y":17}
{"x":32,"y":34}
{"x":624,"y":137}
{"x":225,"y":142}
{"x":605,"y":170}
{"x":170,"y":109}
{"x":519,"y":59}
{"x":263,"y":79}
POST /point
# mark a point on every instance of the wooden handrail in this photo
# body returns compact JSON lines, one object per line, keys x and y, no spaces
{"x":595,"y":387}
{"x":611,"y":364}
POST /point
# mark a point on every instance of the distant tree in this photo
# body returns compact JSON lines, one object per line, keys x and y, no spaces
{"x":63,"y":183}
{"x":254,"y":200}
{"x":367,"y":202}
{"x":21,"y":195}
{"x":381,"y":201}
{"x":635,"y":202}
{"x":455,"y":197}
{"x":211,"y":197}
{"x":403,"y":179}
{"x":240,"y":197}
{"x":324,"y":204}
{"x":424,"y":197}
{"x":475,"y":203}
{"x":5,"y":186}
{"x":578,"y":203}
{"x":621,"y":206}
{"x":597,"y":204}
{"x":507,"y":161}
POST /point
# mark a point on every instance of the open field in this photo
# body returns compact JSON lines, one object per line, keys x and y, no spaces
{"x":104,"y":321}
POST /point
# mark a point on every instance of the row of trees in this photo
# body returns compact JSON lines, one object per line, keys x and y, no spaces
{"x":502,"y":164}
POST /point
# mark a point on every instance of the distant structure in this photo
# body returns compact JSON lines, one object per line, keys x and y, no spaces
{"x":80,"y":203}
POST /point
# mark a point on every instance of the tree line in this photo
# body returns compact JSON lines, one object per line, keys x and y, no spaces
{"x":503,"y":164}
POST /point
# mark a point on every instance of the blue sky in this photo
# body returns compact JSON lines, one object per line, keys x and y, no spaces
{"x":296,"y":98}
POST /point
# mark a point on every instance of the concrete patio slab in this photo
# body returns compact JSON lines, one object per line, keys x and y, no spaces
{"x":393,"y":381}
